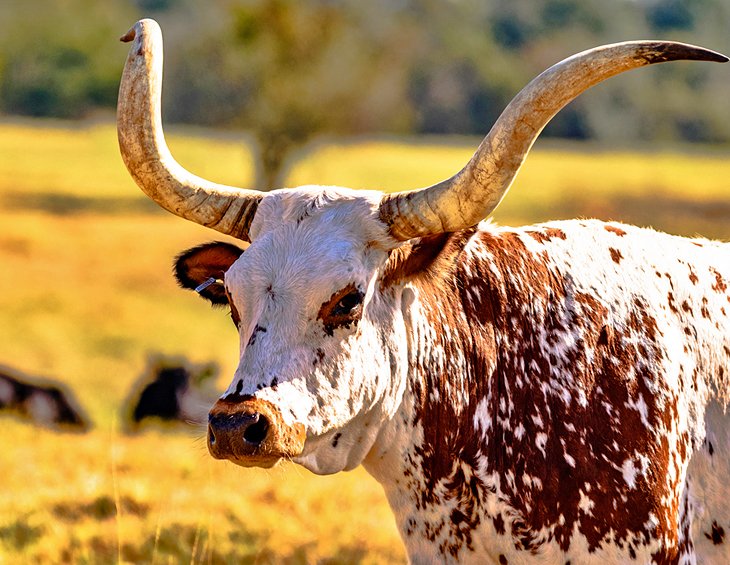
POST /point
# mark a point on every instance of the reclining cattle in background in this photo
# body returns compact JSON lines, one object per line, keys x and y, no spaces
{"x":552,"y":393}
{"x":171,"y":390}
{"x":42,"y":402}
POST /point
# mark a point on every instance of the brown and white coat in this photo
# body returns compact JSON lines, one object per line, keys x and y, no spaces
{"x":567,"y":391}
{"x":549,"y":394}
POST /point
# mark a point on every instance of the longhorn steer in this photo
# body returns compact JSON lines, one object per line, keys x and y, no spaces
{"x":548,"y":394}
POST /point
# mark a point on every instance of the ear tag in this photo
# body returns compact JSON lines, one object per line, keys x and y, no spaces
{"x":202,"y":286}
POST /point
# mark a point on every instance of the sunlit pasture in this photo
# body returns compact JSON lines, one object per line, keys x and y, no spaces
{"x":86,"y":295}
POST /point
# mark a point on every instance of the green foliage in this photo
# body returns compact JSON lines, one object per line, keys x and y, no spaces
{"x":288,"y":71}
{"x":57,"y":57}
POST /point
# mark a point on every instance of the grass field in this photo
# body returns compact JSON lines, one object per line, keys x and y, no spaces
{"x":86,"y":295}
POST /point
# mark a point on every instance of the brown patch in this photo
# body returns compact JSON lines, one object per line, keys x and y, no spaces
{"x":717,"y":534}
{"x":503,"y":560}
{"x":719,"y":285}
{"x":615,"y":255}
{"x":703,"y":310}
{"x":437,"y":279}
{"x":616,"y":230}
{"x":604,"y":336}
{"x":692,"y":277}
{"x":498,"y":522}
{"x":547,"y":234}
{"x":343,"y":309}
{"x":529,"y":309}
{"x":672,"y":305}
{"x":425,"y":257}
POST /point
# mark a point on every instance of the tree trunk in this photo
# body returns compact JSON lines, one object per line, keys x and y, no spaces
{"x":270,"y":165}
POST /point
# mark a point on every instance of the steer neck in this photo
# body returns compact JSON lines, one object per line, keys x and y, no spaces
{"x":446,"y":378}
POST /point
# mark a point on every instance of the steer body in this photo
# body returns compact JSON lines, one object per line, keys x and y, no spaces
{"x":565,"y":399}
{"x":547,"y":394}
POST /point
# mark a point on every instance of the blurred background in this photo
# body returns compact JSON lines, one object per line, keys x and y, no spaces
{"x":386,"y":94}
{"x":289,"y":71}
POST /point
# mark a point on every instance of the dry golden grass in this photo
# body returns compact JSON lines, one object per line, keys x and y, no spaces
{"x":86,"y":294}
{"x":157,"y":497}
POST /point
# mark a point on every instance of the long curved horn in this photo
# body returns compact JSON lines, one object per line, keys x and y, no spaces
{"x":474,"y":192}
{"x":227,"y":209}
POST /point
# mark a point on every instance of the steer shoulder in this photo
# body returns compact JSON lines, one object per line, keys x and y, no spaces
{"x":558,"y":378}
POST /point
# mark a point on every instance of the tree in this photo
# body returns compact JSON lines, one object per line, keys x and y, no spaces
{"x":55,"y":63}
{"x":315,"y":67}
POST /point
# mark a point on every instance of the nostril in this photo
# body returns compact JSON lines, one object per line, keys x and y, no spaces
{"x":211,"y":436}
{"x":256,"y":432}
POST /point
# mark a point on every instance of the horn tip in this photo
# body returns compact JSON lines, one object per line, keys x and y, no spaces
{"x":129,"y":36}
{"x":141,"y":28}
{"x":672,"y":51}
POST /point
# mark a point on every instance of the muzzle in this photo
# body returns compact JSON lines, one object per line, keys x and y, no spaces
{"x":250,"y":432}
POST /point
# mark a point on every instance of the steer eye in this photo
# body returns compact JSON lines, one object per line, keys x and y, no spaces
{"x":347,"y":303}
{"x":342,"y":309}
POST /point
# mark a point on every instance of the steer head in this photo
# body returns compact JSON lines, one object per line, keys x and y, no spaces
{"x":323,"y":360}
{"x":315,"y":353}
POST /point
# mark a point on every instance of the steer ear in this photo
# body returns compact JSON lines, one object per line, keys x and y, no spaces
{"x":206,"y":263}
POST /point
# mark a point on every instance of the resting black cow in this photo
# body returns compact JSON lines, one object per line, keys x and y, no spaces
{"x":42,"y":402}
{"x":171,"y":390}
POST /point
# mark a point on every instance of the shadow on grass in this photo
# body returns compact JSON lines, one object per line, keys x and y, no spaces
{"x":173,"y":543}
{"x":190,"y":544}
{"x":676,"y":215}
{"x":101,"y":508}
{"x":68,"y":204}
{"x":20,"y":534}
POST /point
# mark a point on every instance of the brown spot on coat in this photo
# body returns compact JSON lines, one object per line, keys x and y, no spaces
{"x":498,"y":522}
{"x":692,"y":277}
{"x":615,"y":255}
{"x":616,"y":230}
{"x":546,"y":234}
{"x":672,"y":305}
{"x":719,"y":285}
{"x":717,"y":535}
{"x":318,"y":356}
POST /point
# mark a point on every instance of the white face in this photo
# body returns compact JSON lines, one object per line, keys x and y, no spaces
{"x":318,"y":340}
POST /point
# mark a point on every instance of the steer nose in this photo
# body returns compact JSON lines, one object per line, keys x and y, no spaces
{"x":224,"y":428}
{"x":251,"y":432}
